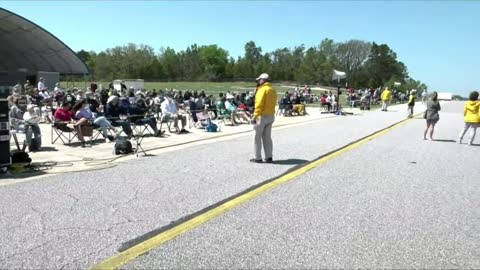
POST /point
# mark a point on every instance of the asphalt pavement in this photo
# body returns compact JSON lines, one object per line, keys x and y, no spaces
{"x":397,"y":202}
{"x":79,"y":219}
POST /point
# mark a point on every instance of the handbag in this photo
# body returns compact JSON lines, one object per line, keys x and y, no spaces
{"x":425,"y":114}
{"x":87,"y":130}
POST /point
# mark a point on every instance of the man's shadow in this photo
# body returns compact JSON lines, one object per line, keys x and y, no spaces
{"x":441,"y":140}
{"x":292,"y":161}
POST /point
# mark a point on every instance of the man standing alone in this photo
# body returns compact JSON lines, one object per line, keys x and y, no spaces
{"x":263,"y":118}
{"x":386,"y":96}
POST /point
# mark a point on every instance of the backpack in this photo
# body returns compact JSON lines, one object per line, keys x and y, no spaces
{"x":20,"y":157}
{"x":211,"y":127}
{"x":123,"y":147}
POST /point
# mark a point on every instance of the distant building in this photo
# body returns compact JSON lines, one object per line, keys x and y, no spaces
{"x":445,"y":96}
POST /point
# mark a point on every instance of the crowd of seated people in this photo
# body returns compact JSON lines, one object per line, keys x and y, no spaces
{"x":328,"y":102}
{"x":291,"y":104}
{"x":124,"y":110}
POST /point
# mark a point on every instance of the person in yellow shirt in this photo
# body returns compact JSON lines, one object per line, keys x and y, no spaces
{"x":263,"y":118}
{"x":471,"y":113}
{"x":386,"y":97}
{"x":411,"y":102}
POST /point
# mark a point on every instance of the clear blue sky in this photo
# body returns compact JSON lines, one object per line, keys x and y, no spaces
{"x":438,"y":41}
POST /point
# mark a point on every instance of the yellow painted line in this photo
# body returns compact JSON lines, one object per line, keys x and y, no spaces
{"x":149,"y":244}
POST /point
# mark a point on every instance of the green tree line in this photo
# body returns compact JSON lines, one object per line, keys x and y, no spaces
{"x":367,"y":64}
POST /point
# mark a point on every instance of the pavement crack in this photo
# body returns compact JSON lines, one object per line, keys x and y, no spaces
{"x":75,"y":200}
{"x":134,"y":198}
{"x":120,"y":204}
{"x":156,"y":189}
{"x":79,"y":228}
{"x":28,"y":250}
{"x":96,"y":252}
{"x":41,"y":219}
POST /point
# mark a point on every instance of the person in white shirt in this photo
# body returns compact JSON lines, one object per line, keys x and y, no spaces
{"x":57,"y":88}
{"x":80,"y":95}
{"x":334,"y":102}
{"x":424,"y":96}
{"x":32,"y":129}
{"x":44,"y":94}
{"x":329,"y":99}
{"x":169,"y":111}
{"x":41,"y":84}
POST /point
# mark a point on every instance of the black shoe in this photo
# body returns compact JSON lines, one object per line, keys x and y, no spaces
{"x":256,"y":160}
{"x":184,"y":131}
{"x":269,"y":160}
{"x":110,"y":138}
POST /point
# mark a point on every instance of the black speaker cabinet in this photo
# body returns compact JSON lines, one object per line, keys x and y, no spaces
{"x":4,"y":134}
{"x":5,"y":153}
{"x":3,"y":110}
{"x":4,"y":144}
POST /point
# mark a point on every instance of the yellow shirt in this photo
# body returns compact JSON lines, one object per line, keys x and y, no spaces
{"x":265,"y":101}
{"x":386,"y":95}
{"x":471,"y":111}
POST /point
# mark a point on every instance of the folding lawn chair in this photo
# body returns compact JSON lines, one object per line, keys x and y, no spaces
{"x":60,"y":131}
{"x":166,"y":119}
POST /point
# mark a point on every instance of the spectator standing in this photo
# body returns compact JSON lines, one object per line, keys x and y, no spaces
{"x":471,"y":113}
{"x":27,"y":87}
{"x":386,"y":97}
{"x":93,"y":87}
{"x":411,"y":102}
{"x":431,"y":115}
{"x":334,"y":102}
{"x":263,"y":118}
{"x":41,"y":84}
{"x":424,"y":96}
{"x":328,"y":102}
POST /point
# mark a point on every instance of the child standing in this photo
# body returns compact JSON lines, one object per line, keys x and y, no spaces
{"x":472,"y":117}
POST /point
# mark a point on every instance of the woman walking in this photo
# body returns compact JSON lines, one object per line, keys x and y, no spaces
{"x":431,"y":115}
{"x":471,"y":116}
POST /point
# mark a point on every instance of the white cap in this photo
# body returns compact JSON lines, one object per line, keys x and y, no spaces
{"x":263,"y":76}
{"x":229,"y":96}
{"x":138,"y":93}
{"x":31,"y":106}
